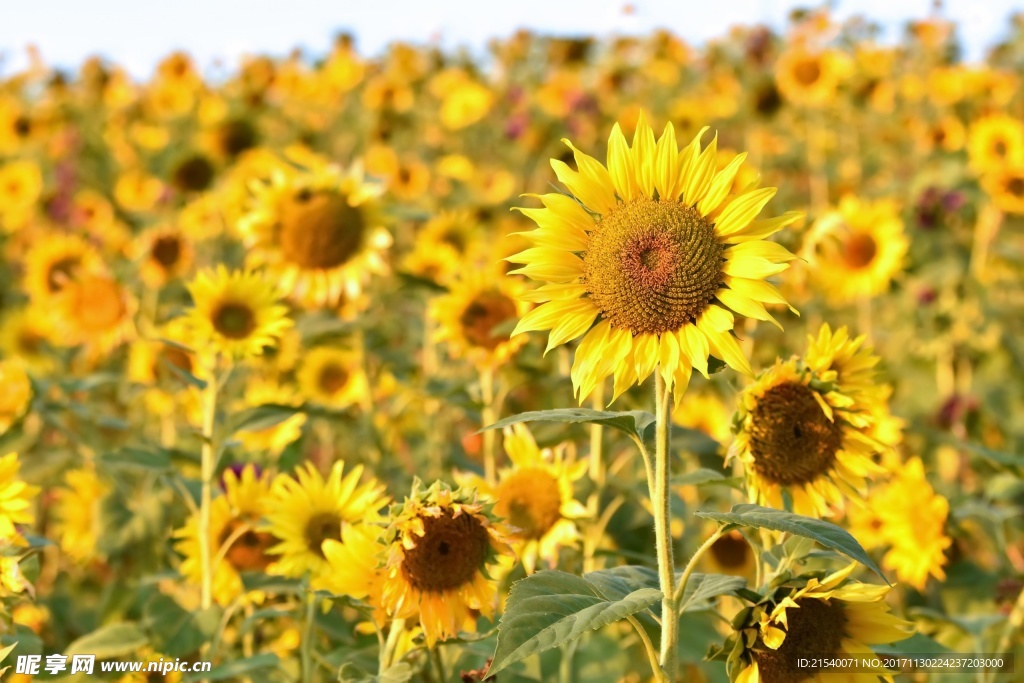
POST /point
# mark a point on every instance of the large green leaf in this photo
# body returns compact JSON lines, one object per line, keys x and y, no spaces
{"x":825,"y":533}
{"x":237,"y":669}
{"x":702,"y":588}
{"x":110,"y":641}
{"x":551,"y":608}
{"x":618,"y":582}
{"x":703,"y":476}
{"x":632,"y":422}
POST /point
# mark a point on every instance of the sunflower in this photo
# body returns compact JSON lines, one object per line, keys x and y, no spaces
{"x":21,"y":184}
{"x":52,"y":262}
{"x":907,"y":517}
{"x":317,"y":230}
{"x":137,"y":191}
{"x":165,"y":254}
{"x":808,"y":78}
{"x":275,"y":438}
{"x":25,"y":335}
{"x":856,"y":250}
{"x":995,"y":141}
{"x":307,"y":510}
{"x":236,"y":313}
{"x":458,"y":230}
{"x":845,"y":361}
{"x":731,"y":554}
{"x":472,"y":315}
{"x":438,"y":263}
{"x":827,"y":617}
{"x":535,"y":498}
{"x":644,"y":251}
{"x":15,"y":500}
{"x":237,"y":543}
{"x":17,"y":392}
{"x":332,"y":377}
{"x":356,"y":564}
{"x":440,"y":546}
{"x":1006,"y":187}
{"x":76,"y":514}
{"x":799,"y":433}
{"x":97,"y":312}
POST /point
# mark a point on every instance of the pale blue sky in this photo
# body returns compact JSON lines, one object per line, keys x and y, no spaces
{"x":136,"y":33}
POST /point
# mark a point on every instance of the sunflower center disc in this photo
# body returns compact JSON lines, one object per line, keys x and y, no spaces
{"x":249,"y":551}
{"x":320,"y":229}
{"x":1015,"y":186}
{"x":807,"y":72}
{"x":731,"y":551}
{"x":482,"y":315}
{"x":815,"y":629}
{"x":448,"y":555}
{"x":859,"y":250}
{"x":321,"y":527}
{"x":166,"y":251}
{"x":792,"y":439}
{"x":652,"y":266}
{"x":234,"y":321}
{"x":531,"y":500}
{"x":332,"y":378}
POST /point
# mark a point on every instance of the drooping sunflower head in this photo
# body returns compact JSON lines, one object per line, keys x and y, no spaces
{"x":307,"y":509}
{"x":644,"y":258}
{"x":332,"y":377}
{"x":317,"y":229}
{"x":799,"y":434}
{"x":235,"y":313}
{"x":821,"y":617}
{"x":474,"y":316}
{"x":857,"y":250}
{"x":440,"y":545}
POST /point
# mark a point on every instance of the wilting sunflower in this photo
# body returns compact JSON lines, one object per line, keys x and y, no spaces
{"x":237,"y":544}
{"x":1006,"y":187}
{"x":535,"y":498}
{"x":306,"y":510}
{"x":15,"y":500}
{"x":441,"y":544}
{"x":76,"y":514}
{"x":97,"y":312}
{"x":332,"y":377}
{"x":317,"y":230}
{"x":808,"y":78}
{"x":17,"y":392}
{"x":235,"y":313}
{"x":165,"y":254}
{"x":470,"y":318}
{"x":908,"y":517}
{"x":647,"y":249}
{"x":796,"y":436}
{"x":857,"y":250}
{"x":995,"y":141}
{"x":830,"y":617}
{"x":52,"y":262}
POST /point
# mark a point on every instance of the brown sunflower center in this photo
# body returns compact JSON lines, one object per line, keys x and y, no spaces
{"x":807,"y":71}
{"x":815,"y":629}
{"x":531,"y":500}
{"x":319,"y":229}
{"x":235,"y":137}
{"x":1015,"y":186}
{"x":332,"y":378}
{"x":1000,"y":148}
{"x":234,"y":320}
{"x":321,"y":527}
{"x":98,"y":304}
{"x":166,"y":251}
{"x":859,"y":250}
{"x":60,"y":272}
{"x":731,"y":551}
{"x":482,"y":315}
{"x":248,"y":552}
{"x":652,"y":266}
{"x":448,"y":555}
{"x":791,"y":438}
{"x":193,"y":174}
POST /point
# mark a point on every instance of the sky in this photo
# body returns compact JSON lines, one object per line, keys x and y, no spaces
{"x":137,"y":33}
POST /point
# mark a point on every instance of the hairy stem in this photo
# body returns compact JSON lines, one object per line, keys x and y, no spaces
{"x":663,"y":527}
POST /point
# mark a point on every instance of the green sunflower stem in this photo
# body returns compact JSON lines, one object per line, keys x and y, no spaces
{"x":306,"y":652}
{"x":663,"y":527}
{"x":208,"y":467}
{"x":388,"y":653}
{"x":597,"y":468}
{"x":692,"y":564}
{"x":489,"y":417}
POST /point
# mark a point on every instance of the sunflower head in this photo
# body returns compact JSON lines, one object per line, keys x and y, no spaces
{"x":16,"y":395}
{"x":440,"y":545}
{"x":1006,"y":187}
{"x":15,"y":500}
{"x":77,"y":515}
{"x":645,"y":259}
{"x":474,"y":317}
{"x":166,"y":253}
{"x":811,"y":615}
{"x":332,"y":377}
{"x":235,"y":313}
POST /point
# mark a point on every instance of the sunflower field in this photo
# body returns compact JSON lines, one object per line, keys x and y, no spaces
{"x":585,"y":360}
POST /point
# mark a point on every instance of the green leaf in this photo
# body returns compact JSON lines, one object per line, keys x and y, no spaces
{"x":178,"y":632}
{"x":257,"y":581}
{"x":183,"y":374}
{"x":400,"y":672}
{"x":703,"y":476}
{"x":138,"y":458}
{"x":702,"y":588}
{"x":237,"y":668}
{"x":618,"y":582}
{"x":110,"y":641}
{"x":551,"y":608}
{"x":825,"y":533}
{"x":632,"y":422}
{"x":262,"y":417}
